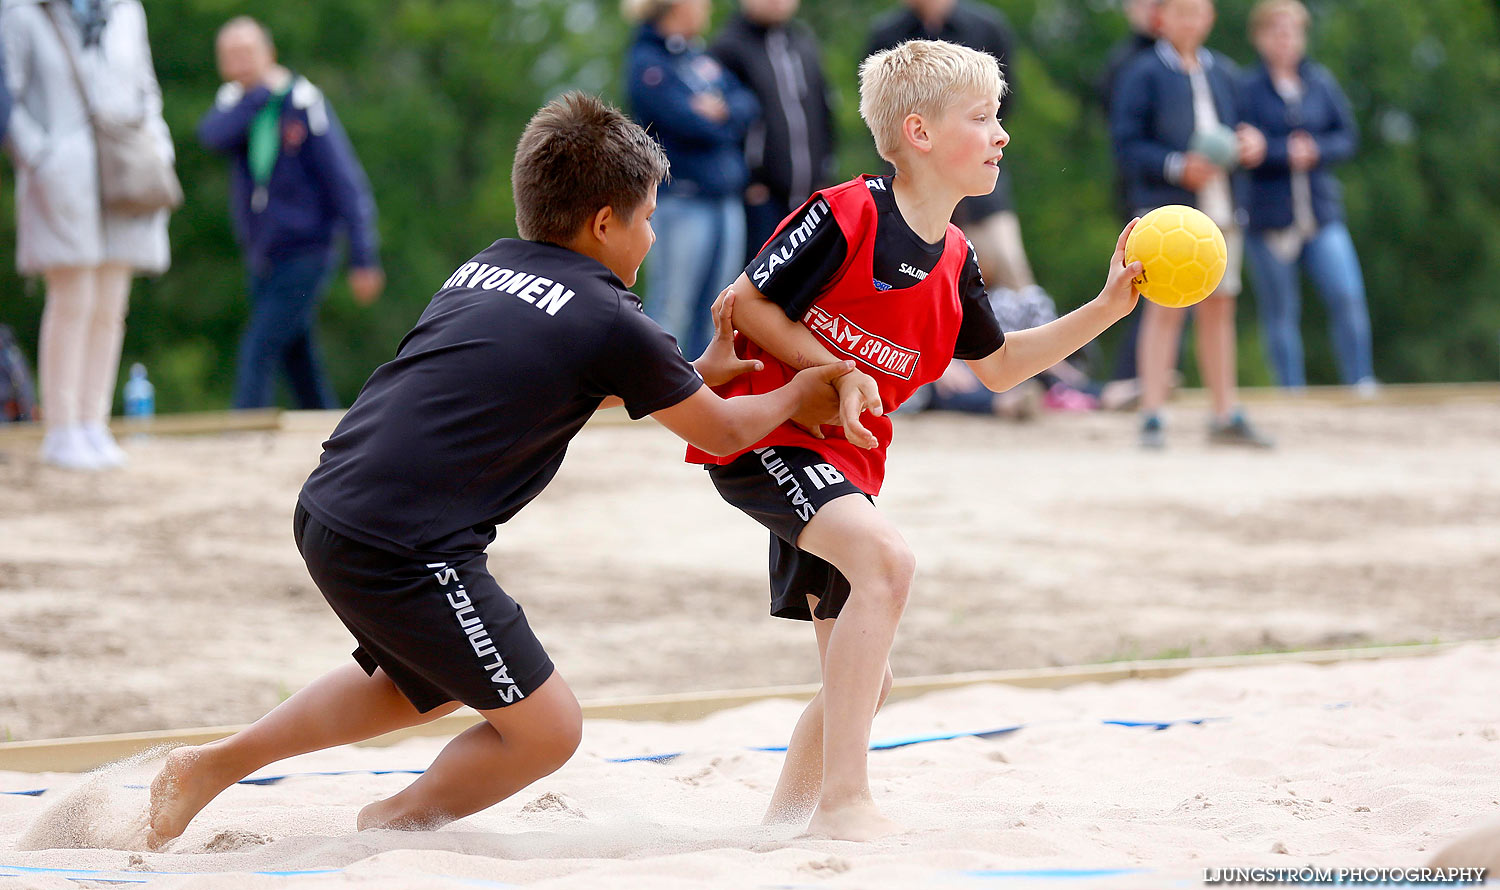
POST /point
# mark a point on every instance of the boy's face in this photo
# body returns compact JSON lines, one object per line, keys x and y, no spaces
{"x":966,"y":143}
{"x":630,"y":241}
{"x":1186,"y":23}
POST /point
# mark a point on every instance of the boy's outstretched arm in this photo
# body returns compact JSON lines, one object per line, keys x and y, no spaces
{"x":1030,"y":352}
{"x":766,"y":324}
{"x":725,"y":426}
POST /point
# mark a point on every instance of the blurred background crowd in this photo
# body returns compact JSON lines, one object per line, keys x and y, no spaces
{"x":1347,"y":143}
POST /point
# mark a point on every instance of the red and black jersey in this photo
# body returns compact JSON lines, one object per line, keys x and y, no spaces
{"x":902,"y":337}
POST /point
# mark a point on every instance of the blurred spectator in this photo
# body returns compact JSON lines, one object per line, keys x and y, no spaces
{"x":700,"y":112}
{"x":1165,"y":103}
{"x":989,"y":221}
{"x":86,"y":252}
{"x":4,"y":97}
{"x":294,"y":184}
{"x":790,"y":149}
{"x":1141,"y":17}
{"x":1296,"y":208}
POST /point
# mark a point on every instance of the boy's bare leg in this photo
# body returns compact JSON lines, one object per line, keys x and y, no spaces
{"x":1156,"y":354}
{"x":1214,"y":324}
{"x":488,"y":762}
{"x":852,"y":535}
{"x":342,"y":706}
{"x":802,"y":772}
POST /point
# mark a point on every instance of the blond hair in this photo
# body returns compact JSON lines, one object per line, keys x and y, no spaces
{"x":920,"y":77}
{"x":1265,"y":10}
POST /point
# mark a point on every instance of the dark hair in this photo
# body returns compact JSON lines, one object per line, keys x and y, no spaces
{"x":577,"y":155}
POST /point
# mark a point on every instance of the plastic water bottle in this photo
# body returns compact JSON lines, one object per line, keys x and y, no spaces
{"x":140,"y":397}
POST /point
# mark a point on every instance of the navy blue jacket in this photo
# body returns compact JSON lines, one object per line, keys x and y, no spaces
{"x":317,"y":187}
{"x":661,"y":79}
{"x":1151,"y":123}
{"x":1324,"y":113}
{"x":4,"y":98}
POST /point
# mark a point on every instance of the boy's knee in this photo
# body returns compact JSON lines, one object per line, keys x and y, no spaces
{"x":895,"y":568}
{"x":559,"y":739}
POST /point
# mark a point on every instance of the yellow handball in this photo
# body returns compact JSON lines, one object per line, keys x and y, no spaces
{"x":1182,"y":254}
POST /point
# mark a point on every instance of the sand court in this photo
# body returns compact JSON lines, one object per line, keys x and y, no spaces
{"x":173,"y":597}
{"x":1371,"y":764}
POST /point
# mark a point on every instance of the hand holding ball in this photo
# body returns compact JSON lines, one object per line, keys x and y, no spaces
{"x":1182,"y":255}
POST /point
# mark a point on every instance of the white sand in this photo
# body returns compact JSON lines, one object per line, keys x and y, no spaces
{"x":1367,"y":764}
{"x":170,"y":595}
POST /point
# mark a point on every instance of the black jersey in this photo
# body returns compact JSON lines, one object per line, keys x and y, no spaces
{"x":810,"y":249}
{"x":471,"y":419}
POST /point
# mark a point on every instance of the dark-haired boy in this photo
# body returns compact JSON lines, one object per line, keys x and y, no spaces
{"x":461,"y":430}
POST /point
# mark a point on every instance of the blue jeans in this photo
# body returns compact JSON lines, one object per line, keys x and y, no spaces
{"x":1331,"y":263}
{"x":283,"y":309}
{"x":700,"y":249}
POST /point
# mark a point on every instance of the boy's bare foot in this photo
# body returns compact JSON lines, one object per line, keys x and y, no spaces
{"x":786,"y":814}
{"x":389,"y":815}
{"x":187,"y":782}
{"x":858,"y":820}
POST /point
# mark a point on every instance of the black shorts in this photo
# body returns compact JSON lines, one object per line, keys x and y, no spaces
{"x":442,"y":631}
{"x":782,"y":488}
{"x":978,"y":208}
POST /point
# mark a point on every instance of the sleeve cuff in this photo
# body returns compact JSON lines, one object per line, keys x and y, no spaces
{"x":677,"y":396}
{"x":1171,"y":169}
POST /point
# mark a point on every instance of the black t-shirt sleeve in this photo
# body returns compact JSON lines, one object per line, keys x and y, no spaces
{"x":795,"y":266}
{"x":979,"y":334}
{"x":640,"y":363}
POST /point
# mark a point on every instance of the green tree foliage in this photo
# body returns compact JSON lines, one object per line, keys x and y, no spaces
{"x":434,"y":94}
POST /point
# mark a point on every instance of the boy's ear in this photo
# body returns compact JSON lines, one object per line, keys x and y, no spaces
{"x":914,"y":132}
{"x":602,"y":222}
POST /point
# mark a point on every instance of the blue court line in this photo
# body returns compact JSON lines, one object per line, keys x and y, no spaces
{"x":105,"y":876}
{"x":112,"y":876}
{"x":668,"y":757}
{"x":1057,"y":873}
{"x":141,"y":877}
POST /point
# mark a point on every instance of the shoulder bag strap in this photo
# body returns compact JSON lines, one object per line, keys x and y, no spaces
{"x":62,"y":40}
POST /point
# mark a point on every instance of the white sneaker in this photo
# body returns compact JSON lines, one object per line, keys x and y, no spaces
{"x":67,"y":447}
{"x":98,"y":437}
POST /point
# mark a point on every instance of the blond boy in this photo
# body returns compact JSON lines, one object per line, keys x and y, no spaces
{"x":872,"y":271}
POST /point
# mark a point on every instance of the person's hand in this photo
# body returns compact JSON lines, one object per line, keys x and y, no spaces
{"x":1119,"y":292}
{"x":366,"y":283}
{"x":1301,"y":151}
{"x":1252,"y":146}
{"x":710,"y":106}
{"x":820,"y":400}
{"x":719,"y":363}
{"x":276,"y":78}
{"x":858,"y":393}
{"x":957,"y":379}
{"x":1197,"y":171}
